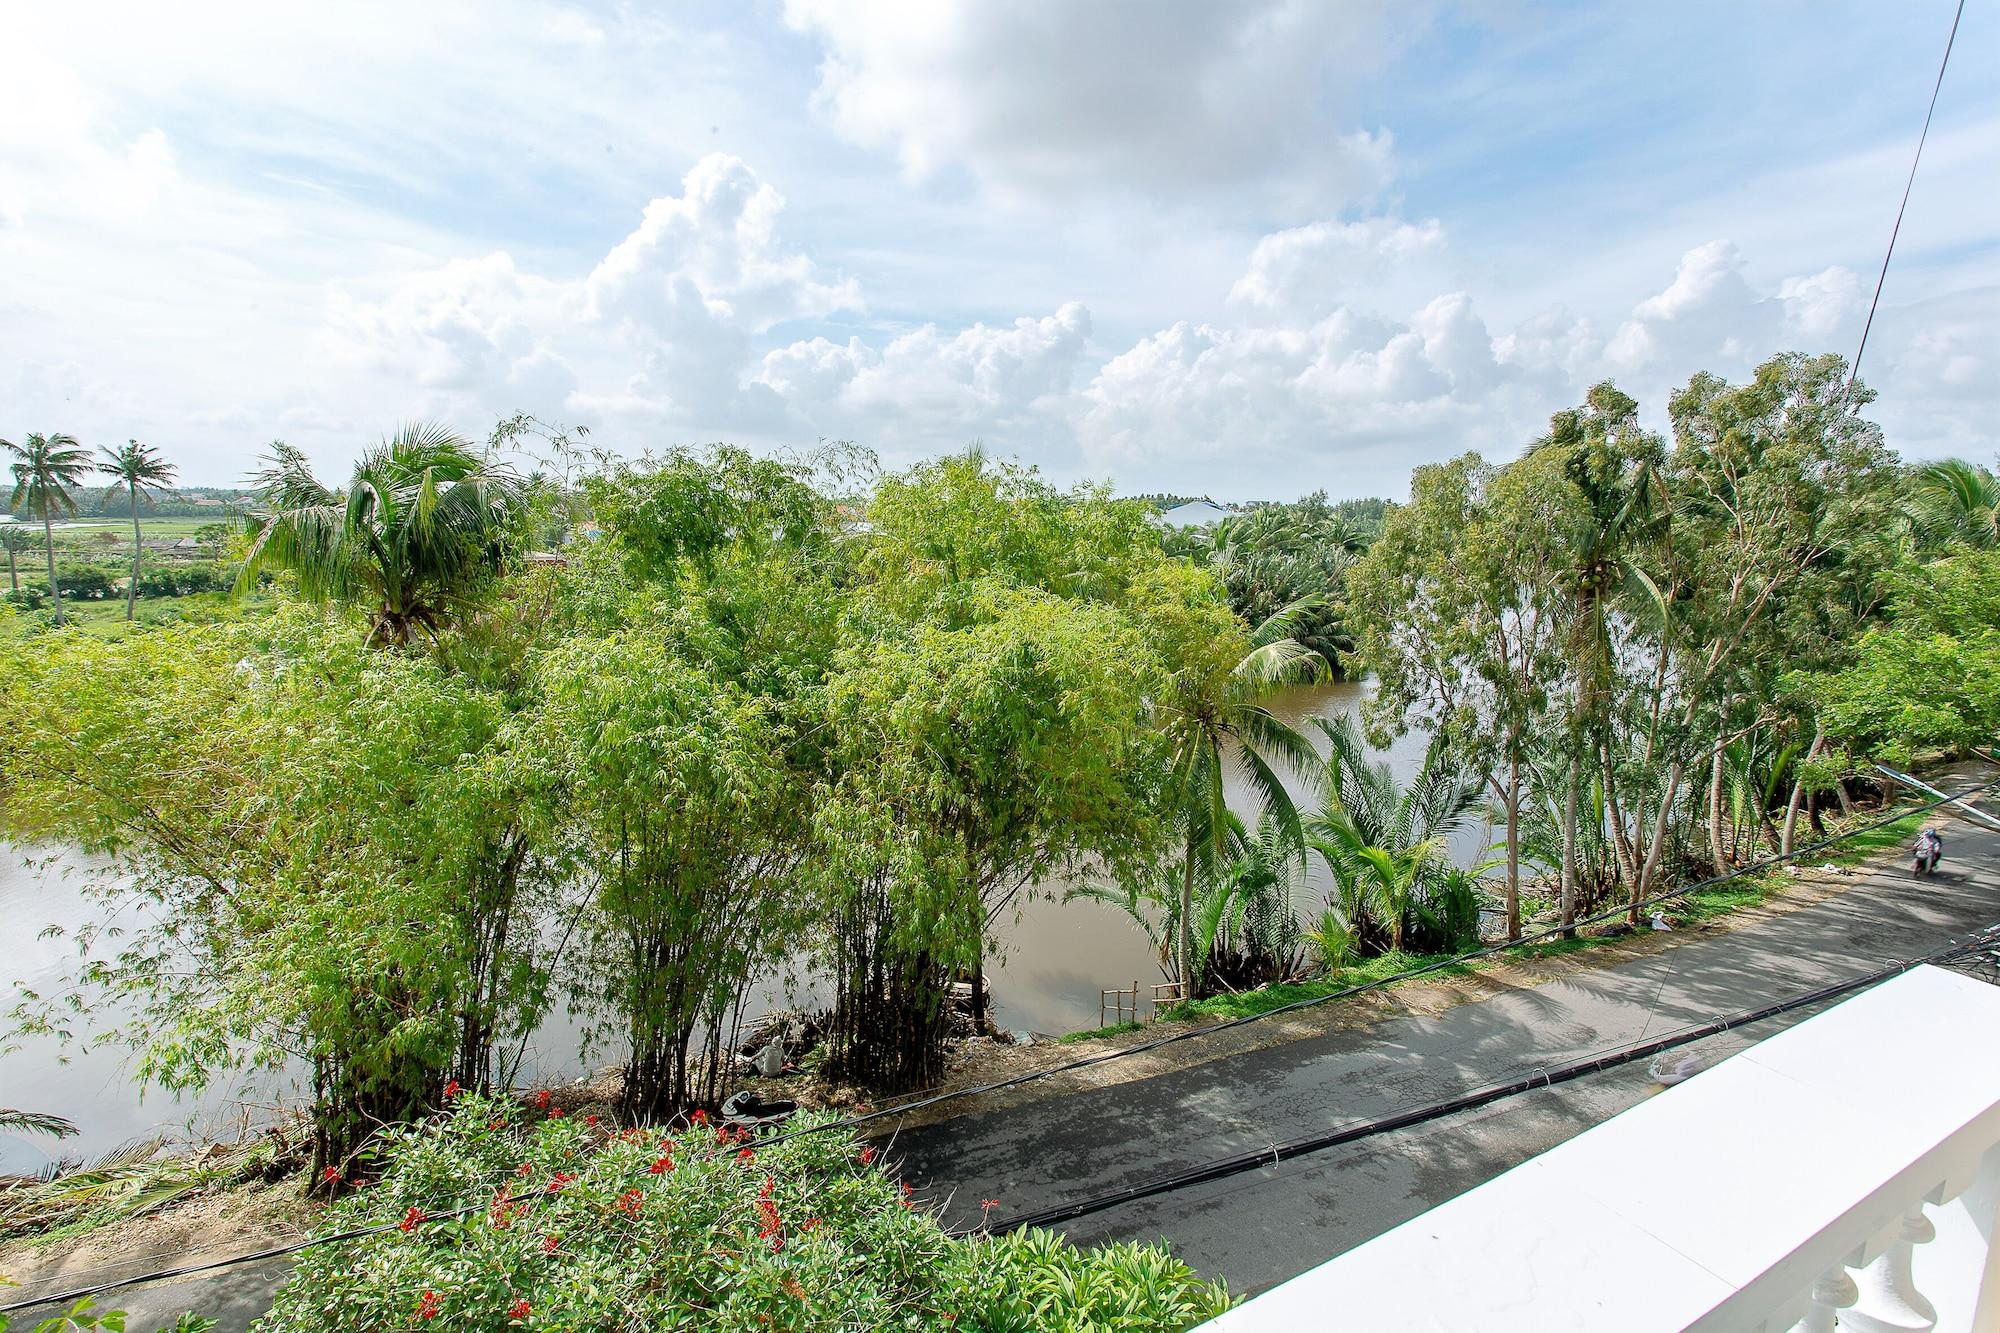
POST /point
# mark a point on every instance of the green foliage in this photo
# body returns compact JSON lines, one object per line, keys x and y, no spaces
{"x":570,"y":1228}
{"x":674,"y":788}
{"x":1291,"y":560}
{"x":1928,"y":680}
{"x":323,"y":839}
{"x":423,"y":526}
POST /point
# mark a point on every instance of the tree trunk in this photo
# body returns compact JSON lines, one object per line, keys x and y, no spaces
{"x":1514,"y":849}
{"x":979,"y":987}
{"x":49,"y":537}
{"x":1186,"y":931}
{"x":132,"y":588}
{"x":1787,"y":837}
{"x":13,"y":574}
{"x":1675,"y":772}
{"x":1716,"y":851}
{"x":1569,"y":853}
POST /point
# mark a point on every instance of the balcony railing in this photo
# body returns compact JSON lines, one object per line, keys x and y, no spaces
{"x":1843,"y":1173}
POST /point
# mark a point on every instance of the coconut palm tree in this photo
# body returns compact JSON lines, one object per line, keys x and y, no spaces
{"x":46,"y":469}
{"x":14,"y":540}
{"x":1957,"y":503}
{"x":136,"y":470}
{"x":424,"y":521}
{"x":1383,"y":842}
{"x":1209,"y":717}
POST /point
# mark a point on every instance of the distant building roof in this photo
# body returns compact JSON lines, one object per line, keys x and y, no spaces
{"x":1193,"y":514}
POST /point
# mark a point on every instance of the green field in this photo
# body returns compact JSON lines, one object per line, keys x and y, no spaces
{"x":106,"y":619}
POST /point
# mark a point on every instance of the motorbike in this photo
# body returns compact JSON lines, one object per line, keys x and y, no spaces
{"x":748,"y":1111}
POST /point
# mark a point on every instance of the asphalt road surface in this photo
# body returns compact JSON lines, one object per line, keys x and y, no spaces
{"x":1263,"y":1226}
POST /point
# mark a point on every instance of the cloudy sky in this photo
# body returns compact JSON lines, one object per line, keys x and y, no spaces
{"x":1252,"y":248}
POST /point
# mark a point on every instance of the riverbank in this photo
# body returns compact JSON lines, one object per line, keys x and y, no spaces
{"x":228,"y":1218}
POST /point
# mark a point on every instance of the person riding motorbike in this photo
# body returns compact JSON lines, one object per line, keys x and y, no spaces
{"x":1929,"y":850}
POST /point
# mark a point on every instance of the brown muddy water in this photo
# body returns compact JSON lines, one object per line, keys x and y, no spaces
{"x":1054,"y":958}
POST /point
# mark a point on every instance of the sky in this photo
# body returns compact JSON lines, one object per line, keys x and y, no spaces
{"x":1251,"y":249}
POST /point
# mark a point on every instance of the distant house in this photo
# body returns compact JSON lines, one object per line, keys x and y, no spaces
{"x":1193,"y":514}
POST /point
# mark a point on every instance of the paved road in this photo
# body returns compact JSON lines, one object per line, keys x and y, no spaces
{"x":1263,"y":1226}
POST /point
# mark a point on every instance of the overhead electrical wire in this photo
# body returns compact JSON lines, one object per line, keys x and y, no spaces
{"x":1264,"y":1156}
{"x":1855,"y":370}
{"x":1545,"y":1077}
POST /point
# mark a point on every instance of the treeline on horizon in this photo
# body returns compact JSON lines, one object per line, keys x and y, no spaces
{"x":764,"y":712}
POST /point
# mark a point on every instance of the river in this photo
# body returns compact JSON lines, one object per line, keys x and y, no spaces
{"x":1054,"y":959}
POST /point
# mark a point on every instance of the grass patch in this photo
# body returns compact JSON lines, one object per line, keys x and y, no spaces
{"x":1092,"y":1034}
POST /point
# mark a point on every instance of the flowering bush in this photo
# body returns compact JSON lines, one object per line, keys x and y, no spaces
{"x":569,"y":1226}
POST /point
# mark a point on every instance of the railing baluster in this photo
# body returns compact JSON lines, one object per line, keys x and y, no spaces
{"x":1831,"y":1294}
{"x":1890,"y":1301}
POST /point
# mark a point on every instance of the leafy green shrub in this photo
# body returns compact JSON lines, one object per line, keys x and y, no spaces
{"x":577,"y":1227}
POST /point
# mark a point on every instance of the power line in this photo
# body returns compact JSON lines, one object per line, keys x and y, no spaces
{"x":1880,"y":278}
{"x":1547,"y":1077}
{"x":771,"y":1141}
{"x":1425,"y":969}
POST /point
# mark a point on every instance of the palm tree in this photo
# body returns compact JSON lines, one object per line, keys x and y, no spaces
{"x":424,"y":521}
{"x":1244,"y":922}
{"x":1385,"y":843}
{"x":1957,"y":503}
{"x":13,"y":539}
{"x":46,"y":470}
{"x":1208,"y":717}
{"x":135,"y":469}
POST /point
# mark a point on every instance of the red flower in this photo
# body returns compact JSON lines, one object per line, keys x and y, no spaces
{"x":630,"y":1202}
{"x":330,"y":1175}
{"x":542,"y":1100}
{"x":550,"y":1244}
{"x":769,"y":1185}
{"x":525,"y":1169}
{"x":452,"y":1089}
{"x":427,"y":1305}
{"x":868,"y":1156}
{"x":560,"y":1179}
{"x":590,"y":1119}
{"x":700,"y":1117}
{"x":556,"y":1113}
{"x":986,"y":1206}
{"x":410,"y":1222}
{"x":662,"y":1166}
{"x":519,"y":1309}
{"x":496,"y":1124}
{"x":813,"y":1224}
{"x":747,"y":1156}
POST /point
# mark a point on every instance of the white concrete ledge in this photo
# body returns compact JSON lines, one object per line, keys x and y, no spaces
{"x":1718,"y":1203}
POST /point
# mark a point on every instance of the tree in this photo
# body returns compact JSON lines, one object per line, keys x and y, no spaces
{"x":135,"y":469}
{"x":14,"y":539}
{"x":48,"y":468}
{"x":1609,"y":509}
{"x":690,"y":825}
{"x":1463,"y":623}
{"x":1385,"y":843}
{"x":1957,"y":504}
{"x":323,"y":841}
{"x":972,"y":761}
{"x":425,"y":523}
{"x":1210,"y":714}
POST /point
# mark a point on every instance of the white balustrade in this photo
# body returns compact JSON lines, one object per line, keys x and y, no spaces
{"x":1843,"y":1174}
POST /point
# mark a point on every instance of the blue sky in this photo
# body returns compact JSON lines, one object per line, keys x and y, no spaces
{"x":1254,"y":249}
